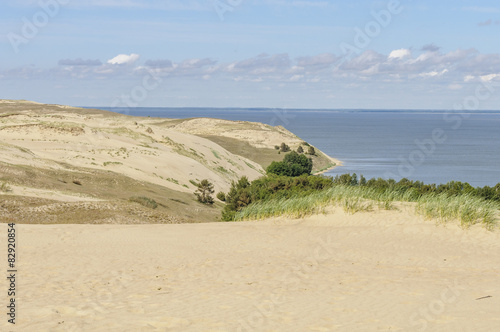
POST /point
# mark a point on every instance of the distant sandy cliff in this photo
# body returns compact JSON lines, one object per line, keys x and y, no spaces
{"x":62,"y":164}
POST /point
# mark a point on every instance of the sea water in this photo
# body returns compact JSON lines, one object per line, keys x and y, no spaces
{"x":430,"y":146}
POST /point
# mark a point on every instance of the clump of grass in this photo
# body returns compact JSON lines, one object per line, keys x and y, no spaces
{"x":106,"y":163}
{"x":173,"y":180}
{"x":194,"y":183}
{"x":356,"y":204}
{"x":222,"y":170}
{"x":250,"y":165}
{"x":144,"y":201}
{"x":467,"y":209}
{"x":77,"y":182}
{"x":4,"y":187}
{"x":216,"y":154}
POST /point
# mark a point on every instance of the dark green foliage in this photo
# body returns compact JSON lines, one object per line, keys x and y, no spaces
{"x":221,"y":196}
{"x":276,"y":147}
{"x":204,"y":192}
{"x":452,"y":188}
{"x":362,"y":180}
{"x":272,"y":186}
{"x":292,"y":165}
{"x":243,"y":193}
{"x":284,"y":147}
{"x":300,"y":149}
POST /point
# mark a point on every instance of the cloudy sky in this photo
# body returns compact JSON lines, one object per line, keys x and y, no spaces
{"x":393,"y":54}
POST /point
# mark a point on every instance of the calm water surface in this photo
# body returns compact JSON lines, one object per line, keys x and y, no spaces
{"x":387,"y":144}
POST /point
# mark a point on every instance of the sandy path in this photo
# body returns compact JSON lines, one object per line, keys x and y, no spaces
{"x":383,"y":271}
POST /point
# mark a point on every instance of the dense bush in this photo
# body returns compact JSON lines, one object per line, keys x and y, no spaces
{"x":311,"y":151}
{"x":221,"y":196}
{"x":452,"y":188}
{"x":284,"y":147}
{"x":243,"y":193}
{"x":292,"y":165}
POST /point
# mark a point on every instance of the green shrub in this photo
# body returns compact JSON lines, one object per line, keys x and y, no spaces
{"x":243,"y":193}
{"x":284,"y":147}
{"x":221,"y":196}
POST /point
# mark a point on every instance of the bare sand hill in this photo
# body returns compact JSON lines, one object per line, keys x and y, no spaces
{"x":378,"y":271}
{"x":85,"y":165}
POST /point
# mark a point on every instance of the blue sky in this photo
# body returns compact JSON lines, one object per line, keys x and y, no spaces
{"x":251,"y":53}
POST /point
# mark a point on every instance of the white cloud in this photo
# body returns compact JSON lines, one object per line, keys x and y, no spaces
{"x":123,"y":59}
{"x":489,"y":78}
{"x":434,"y":73}
{"x":469,"y":78}
{"x":456,"y":67}
{"x":400,"y":54}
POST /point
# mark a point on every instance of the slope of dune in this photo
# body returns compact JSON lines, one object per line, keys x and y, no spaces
{"x":377,"y":271}
{"x":97,"y":160}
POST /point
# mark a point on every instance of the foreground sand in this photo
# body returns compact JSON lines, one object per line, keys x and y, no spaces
{"x":375,"y":271}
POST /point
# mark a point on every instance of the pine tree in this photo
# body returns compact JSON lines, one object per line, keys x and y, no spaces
{"x":204,"y":192}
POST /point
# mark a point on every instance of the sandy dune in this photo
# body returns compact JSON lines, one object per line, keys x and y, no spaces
{"x":52,"y":153}
{"x":379,"y":271}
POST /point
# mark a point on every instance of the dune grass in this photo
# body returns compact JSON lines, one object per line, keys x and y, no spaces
{"x":467,"y":209}
{"x":4,"y":187}
{"x":144,"y":201}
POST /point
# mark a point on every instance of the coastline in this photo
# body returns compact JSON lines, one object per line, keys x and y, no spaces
{"x":336,"y":162}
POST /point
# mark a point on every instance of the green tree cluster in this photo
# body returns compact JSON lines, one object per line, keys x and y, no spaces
{"x":243,"y":193}
{"x":292,"y":165}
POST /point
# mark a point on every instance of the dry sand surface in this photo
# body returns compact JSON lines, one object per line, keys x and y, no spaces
{"x":379,"y":271}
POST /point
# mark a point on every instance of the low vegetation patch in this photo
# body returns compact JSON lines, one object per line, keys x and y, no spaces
{"x":297,"y":197}
{"x":144,"y":201}
{"x":107,"y":163}
{"x":4,"y":187}
{"x":173,"y":180}
{"x":216,"y":154}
